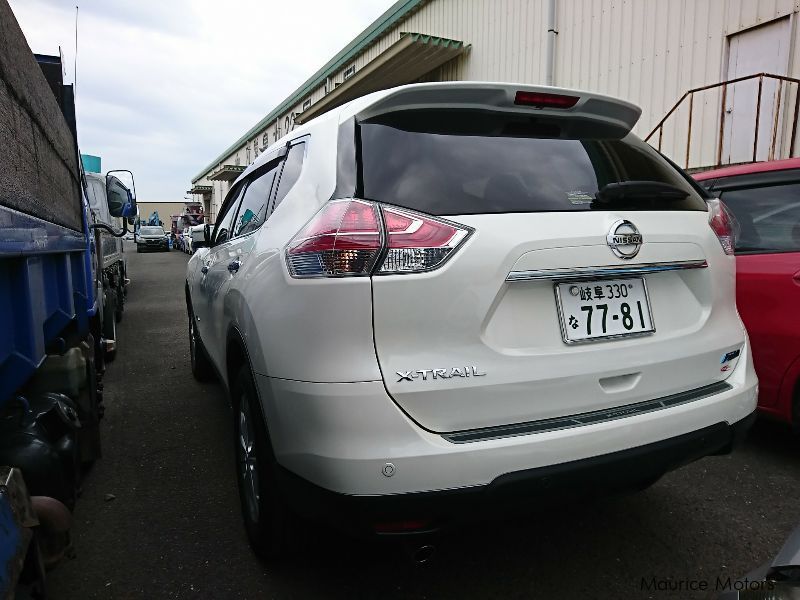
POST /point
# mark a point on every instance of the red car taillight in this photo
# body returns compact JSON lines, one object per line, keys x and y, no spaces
{"x":723,"y":223}
{"x":348,"y":237}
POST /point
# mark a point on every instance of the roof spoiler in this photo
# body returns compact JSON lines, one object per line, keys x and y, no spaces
{"x":542,"y":101}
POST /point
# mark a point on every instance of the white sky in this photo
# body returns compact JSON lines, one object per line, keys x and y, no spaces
{"x":164,"y":86}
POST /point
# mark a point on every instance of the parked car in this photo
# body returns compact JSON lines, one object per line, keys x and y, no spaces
{"x":765,"y":199}
{"x":467,"y":296}
{"x":152,"y":237}
{"x":129,"y":236}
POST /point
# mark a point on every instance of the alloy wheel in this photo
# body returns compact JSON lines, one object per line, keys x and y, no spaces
{"x":248,"y":462}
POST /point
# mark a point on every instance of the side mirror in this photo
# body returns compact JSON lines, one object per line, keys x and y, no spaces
{"x":121,"y":193}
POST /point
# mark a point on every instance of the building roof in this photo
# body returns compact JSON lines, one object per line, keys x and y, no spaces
{"x":413,"y":55}
{"x":395,"y":13}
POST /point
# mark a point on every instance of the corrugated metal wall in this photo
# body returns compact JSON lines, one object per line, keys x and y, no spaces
{"x":647,"y":51}
{"x":651,"y":52}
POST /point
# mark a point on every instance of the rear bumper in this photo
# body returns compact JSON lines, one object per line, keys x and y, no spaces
{"x":518,"y":490}
{"x":340,"y":437}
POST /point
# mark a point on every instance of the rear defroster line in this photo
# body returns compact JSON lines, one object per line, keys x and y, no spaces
{"x":587,"y":418}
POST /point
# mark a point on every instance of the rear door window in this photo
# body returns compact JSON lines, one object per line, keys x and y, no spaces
{"x":253,"y":210}
{"x":459,"y":162}
{"x":768,"y":217}
{"x":222,"y":232}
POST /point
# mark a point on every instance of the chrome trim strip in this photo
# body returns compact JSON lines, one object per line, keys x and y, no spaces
{"x":587,"y":418}
{"x":604,"y":271}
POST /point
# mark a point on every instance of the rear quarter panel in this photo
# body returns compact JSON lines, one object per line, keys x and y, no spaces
{"x":317,"y":330}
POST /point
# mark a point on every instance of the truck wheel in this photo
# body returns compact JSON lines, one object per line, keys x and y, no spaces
{"x":201,"y":365}
{"x":110,"y":324}
{"x":271,"y":526}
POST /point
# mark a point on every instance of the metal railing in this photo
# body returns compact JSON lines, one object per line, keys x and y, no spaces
{"x":776,"y":124}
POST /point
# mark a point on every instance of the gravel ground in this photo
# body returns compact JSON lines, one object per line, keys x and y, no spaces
{"x":173,"y":529}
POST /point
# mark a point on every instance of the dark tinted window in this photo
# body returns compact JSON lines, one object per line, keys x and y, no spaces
{"x":769,"y":217}
{"x":291,"y":171}
{"x":222,"y":232}
{"x":253,"y":209}
{"x":456,"y":162}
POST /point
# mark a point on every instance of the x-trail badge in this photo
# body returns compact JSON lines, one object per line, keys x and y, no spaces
{"x":624,"y":239}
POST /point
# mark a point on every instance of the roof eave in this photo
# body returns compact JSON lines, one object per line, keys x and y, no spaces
{"x":394,"y":14}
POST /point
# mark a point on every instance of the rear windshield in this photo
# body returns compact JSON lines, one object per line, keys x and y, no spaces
{"x":769,"y":218}
{"x":460,"y":162}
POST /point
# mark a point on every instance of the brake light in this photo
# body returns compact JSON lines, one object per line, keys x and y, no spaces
{"x":724,"y":224}
{"x":542,"y":100}
{"x":347,"y":237}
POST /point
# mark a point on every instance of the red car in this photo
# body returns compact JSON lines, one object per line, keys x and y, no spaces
{"x":765,"y":199}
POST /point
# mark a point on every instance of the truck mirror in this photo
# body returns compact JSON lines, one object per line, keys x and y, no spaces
{"x":121,"y":193}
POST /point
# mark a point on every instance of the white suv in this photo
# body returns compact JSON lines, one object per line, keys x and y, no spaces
{"x":446,"y":295}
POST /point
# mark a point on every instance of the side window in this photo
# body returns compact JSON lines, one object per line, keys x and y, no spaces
{"x":291,"y":171}
{"x":222,"y":232}
{"x":768,"y":217}
{"x":254,"y":205}
{"x":90,"y":193}
{"x":99,"y":192}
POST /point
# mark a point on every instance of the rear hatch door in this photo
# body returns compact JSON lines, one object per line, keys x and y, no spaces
{"x":513,"y":327}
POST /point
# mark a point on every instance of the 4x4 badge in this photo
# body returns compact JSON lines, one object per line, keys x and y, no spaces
{"x":471,"y":371}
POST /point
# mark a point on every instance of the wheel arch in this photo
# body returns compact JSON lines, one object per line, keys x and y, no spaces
{"x":237,"y":355}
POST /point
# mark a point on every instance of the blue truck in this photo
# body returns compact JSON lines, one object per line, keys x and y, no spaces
{"x":59,"y":298}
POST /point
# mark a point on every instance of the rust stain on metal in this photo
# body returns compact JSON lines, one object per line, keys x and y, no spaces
{"x":775,"y":121}
{"x":722,"y":122}
{"x":758,"y":115}
{"x":689,"y":132}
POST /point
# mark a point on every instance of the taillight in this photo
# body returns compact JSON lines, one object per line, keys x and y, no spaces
{"x":347,"y":237}
{"x":344,"y":238}
{"x":416,"y":242}
{"x":723,"y":223}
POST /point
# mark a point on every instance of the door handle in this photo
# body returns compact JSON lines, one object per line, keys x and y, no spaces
{"x":234,"y":266}
{"x":204,"y":270}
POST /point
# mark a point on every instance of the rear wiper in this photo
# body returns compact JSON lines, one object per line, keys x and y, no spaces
{"x":639,"y":190}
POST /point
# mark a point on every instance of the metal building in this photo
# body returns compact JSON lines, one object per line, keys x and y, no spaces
{"x":717,"y":79}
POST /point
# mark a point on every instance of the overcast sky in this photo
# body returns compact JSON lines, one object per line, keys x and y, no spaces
{"x":164,"y":86}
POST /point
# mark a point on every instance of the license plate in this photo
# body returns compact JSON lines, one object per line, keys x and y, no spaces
{"x":603,"y":309}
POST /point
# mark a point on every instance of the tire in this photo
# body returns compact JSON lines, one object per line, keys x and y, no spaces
{"x":198,"y":357}
{"x":138,"y":249}
{"x":273,"y":530}
{"x":110,"y":321}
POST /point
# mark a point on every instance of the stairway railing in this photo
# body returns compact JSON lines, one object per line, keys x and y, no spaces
{"x":690,"y":94}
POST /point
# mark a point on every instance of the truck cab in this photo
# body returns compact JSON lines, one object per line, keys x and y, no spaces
{"x":112,"y":265}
